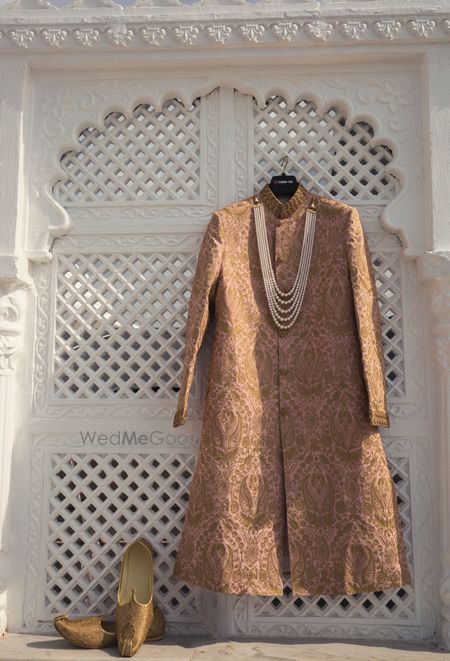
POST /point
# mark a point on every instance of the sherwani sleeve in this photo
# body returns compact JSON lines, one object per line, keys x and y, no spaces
{"x":368,"y":318}
{"x":207,"y":271}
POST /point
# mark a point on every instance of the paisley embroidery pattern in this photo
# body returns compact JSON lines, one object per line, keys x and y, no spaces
{"x":291,"y":474}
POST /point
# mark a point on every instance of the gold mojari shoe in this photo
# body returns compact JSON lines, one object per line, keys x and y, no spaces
{"x":95,"y":631}
{"x":90,"y":632}
{"x":134,"y":610}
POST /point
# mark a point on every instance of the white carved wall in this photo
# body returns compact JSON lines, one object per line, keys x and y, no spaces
{"x":115,"y":164}
{"x":129,"y":203}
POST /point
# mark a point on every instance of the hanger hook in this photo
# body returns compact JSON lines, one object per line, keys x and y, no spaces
{"x":284,"y":162}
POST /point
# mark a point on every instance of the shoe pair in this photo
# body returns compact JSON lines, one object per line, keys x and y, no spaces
{"x":137,"y":619}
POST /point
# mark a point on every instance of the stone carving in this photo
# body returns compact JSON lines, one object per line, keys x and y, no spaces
{"x":252,"y":32}
{"x":421,"y":27}
{"x":219,"y":33}
{"x":285,"y":31}
{"x":387,"y":28}
{"x":187,"y":32}
{"x":120,"y":35}
{"x":11,"y":326}
{"x":186,"y":35}
{"x":10,"y":329}
{"x":319,"y":29}
{"x":87,"y":36}
{"x":153,"y":36}
{"x":22,"y":37}
{"x":354,"y":29}
{"x":54,"y":36}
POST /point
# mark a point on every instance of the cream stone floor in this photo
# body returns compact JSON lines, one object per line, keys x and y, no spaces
{"x":24,"y":647}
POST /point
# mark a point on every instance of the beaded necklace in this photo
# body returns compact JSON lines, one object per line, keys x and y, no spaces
{"x":284,"y":306}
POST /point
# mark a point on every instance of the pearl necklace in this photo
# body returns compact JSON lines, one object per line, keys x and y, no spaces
{"x":275,"y":297}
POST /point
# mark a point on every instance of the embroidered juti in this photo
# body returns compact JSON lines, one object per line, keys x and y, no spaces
{"x":291,"y":474}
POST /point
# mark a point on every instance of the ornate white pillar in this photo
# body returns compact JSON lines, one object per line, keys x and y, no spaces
{"x":10,"y":338}
{"x":13,"y":278}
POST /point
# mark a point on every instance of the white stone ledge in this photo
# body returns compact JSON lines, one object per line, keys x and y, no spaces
{"x":91,"y":28}
{"x":26,"y":647}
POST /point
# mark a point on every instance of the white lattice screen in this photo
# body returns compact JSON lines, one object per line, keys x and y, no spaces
{"x":148,"y":156}
{"x":119,"y":324}
{"x":99,"y":502}
{"x":331,"y":156}
{"x":387,"y":277}
{"x":118,"y":334}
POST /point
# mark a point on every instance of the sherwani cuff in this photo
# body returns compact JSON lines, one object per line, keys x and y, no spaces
{"x":380,"y":418}
{"x":179,"y":418}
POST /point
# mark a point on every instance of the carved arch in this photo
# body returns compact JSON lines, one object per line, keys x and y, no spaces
{"x":336,"y":155}
{"x":64,"y":107}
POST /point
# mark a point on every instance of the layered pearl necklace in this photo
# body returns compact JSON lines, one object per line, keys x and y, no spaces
{"x":292,"y":299}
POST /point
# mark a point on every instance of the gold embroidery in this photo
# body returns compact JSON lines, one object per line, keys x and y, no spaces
{"x":380,"y":419}
{"x":280,"y":209}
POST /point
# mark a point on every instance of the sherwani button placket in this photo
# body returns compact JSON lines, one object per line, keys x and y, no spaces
{"x":283,"y":230}
{"x":282,"y":412}
{"x":283,"y":370}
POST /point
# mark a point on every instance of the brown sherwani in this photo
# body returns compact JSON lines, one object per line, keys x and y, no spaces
{"x":291,"y":472}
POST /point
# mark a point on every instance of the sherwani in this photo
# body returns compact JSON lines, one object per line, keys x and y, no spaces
{"x":291,"y":476}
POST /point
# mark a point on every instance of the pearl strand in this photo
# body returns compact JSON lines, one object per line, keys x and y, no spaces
{"x":275,"y":297}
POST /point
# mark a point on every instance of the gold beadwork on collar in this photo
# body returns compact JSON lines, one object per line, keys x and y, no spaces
{"x":280,"y":209}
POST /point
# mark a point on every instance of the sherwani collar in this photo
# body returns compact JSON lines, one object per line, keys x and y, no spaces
{"x":284,"y":209}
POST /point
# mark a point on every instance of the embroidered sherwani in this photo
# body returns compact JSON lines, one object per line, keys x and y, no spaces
{"x":291,"y":474}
